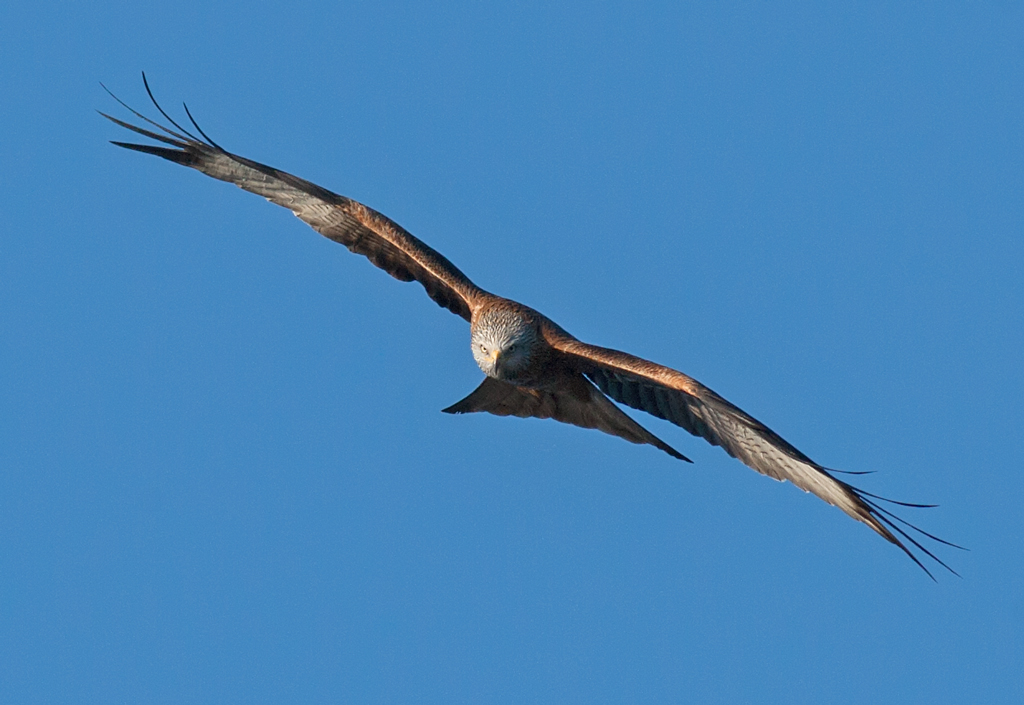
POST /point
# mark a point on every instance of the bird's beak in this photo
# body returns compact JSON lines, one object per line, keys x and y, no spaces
{"x":495,"y":354}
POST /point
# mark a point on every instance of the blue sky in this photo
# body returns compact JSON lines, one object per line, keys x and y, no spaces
{"x":224,"y":476}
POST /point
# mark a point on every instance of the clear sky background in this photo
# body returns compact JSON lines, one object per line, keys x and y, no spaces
{"x":224,"y":474}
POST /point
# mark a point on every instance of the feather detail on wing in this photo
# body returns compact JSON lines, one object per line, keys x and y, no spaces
{"x":361,"y":229}
{"x":575,"y":402}
{"x":685,"y":402}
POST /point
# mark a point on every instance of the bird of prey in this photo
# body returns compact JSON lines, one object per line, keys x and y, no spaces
{"x":533,"y":367}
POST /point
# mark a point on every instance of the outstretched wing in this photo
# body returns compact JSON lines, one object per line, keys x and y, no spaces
{"x":359,"y":228}
{"x":671,"y":395}
{"x":576,"y":401}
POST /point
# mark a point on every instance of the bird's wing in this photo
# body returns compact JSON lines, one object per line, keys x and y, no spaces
{"x":575,"y":401}
{"x":682,"y":400}
{"x":359,"y":228}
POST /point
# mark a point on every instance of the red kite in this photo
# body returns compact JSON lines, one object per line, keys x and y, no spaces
{"x":533,"y":367}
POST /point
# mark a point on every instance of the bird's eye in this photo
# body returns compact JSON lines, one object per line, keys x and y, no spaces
{"x":511,"y":347}
{"x":483,"y":348}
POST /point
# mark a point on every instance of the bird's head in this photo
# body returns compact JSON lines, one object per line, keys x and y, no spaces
{"x":503,"y":340}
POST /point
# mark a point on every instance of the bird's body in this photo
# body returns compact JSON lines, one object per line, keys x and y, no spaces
{"x":533,"y":367}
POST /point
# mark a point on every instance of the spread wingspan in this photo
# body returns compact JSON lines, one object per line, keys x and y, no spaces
{"x":573,"y":389}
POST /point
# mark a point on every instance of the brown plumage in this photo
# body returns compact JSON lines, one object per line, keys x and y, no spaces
{"x":534,"y":367}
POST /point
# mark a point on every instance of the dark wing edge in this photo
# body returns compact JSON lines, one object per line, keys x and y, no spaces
{"x":576,"y":402}
{"x":361,"y":229}
{"x":681,"y":400}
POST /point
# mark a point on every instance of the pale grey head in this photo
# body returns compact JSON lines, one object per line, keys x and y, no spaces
{"x":503,"y":341}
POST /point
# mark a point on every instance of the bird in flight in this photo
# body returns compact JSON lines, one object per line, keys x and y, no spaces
{"x":533,"y":367}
